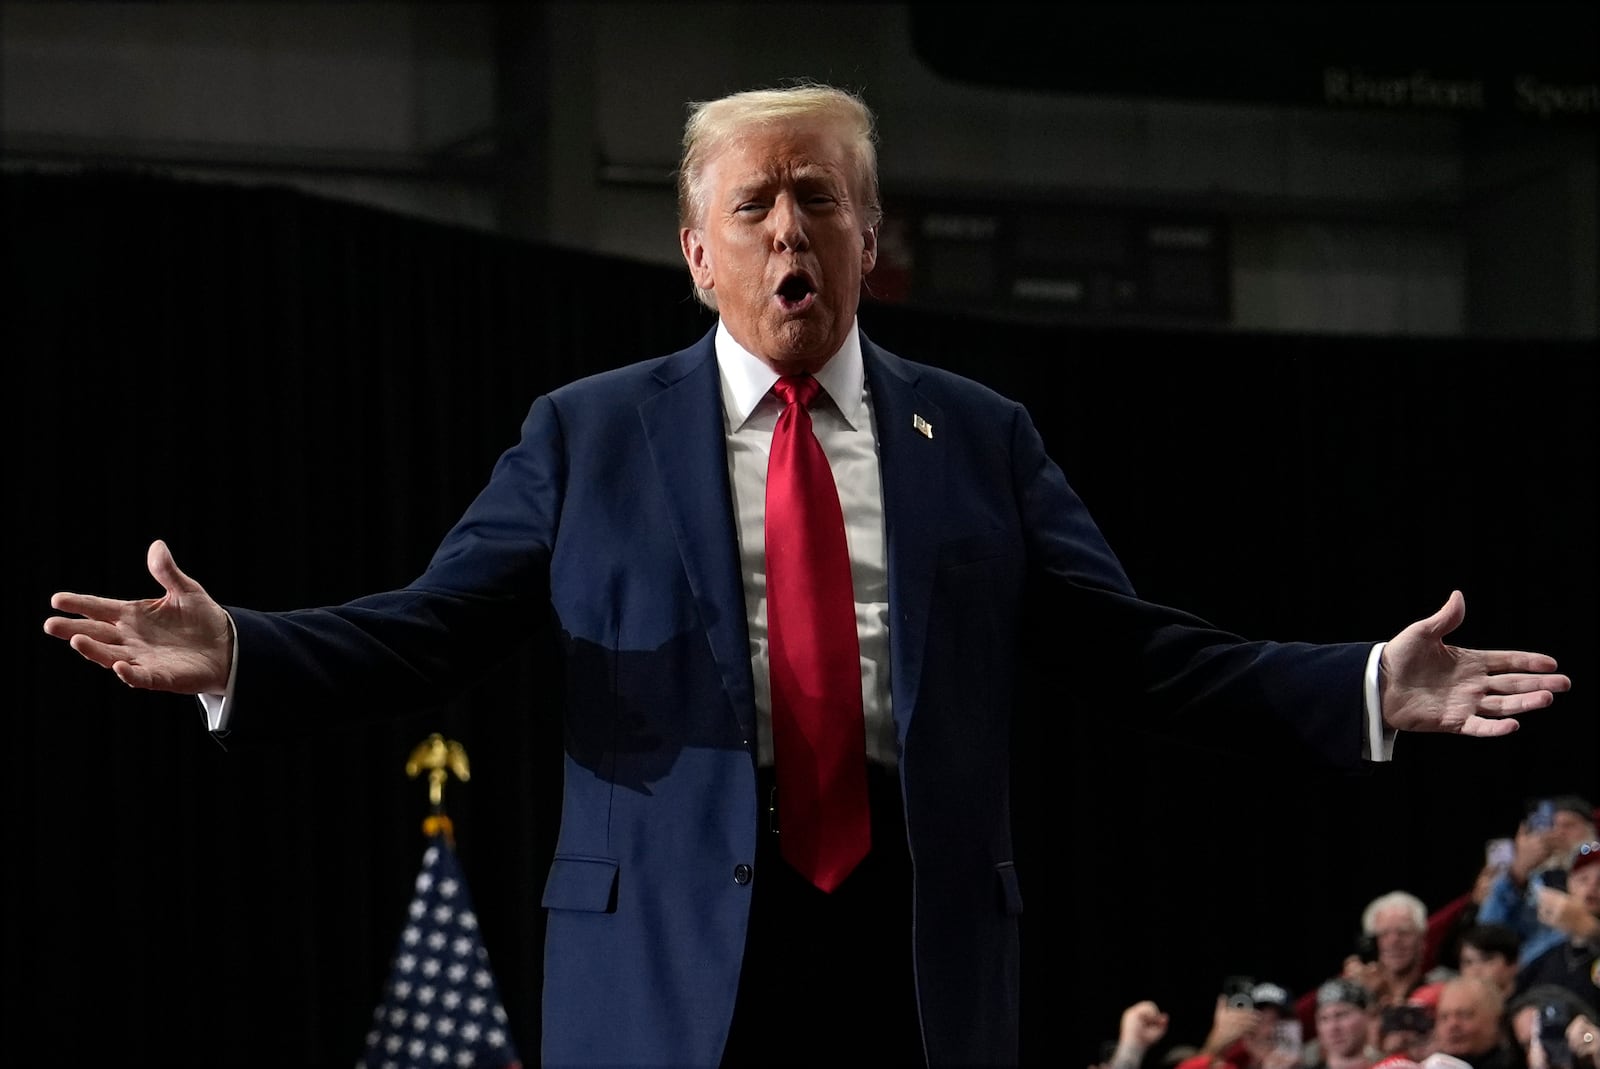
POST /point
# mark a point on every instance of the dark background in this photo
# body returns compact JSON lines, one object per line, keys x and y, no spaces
{"x":300,"y":396}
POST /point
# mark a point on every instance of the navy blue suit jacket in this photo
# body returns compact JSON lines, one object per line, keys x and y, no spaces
{"x":614,"y":512}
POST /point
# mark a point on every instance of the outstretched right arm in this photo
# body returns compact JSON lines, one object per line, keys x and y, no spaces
{"x":181,"y":642}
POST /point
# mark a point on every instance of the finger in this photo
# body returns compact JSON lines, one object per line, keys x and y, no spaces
{"x":133,"y":675}
{"x":1503,"y":661}
{"x":70,"y":627}
{"x":164,"y":569}
{"x":1492,"y":705}
{"x":1480,"y":727}
{"x":1527,"y":683}
{"x":102,"y":654}
{"x":1449,"y":616}
{"x":87,"y":605}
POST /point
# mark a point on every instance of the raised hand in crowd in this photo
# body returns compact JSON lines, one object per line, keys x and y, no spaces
{"x":1583,"y":1039}
{"x":1245,"y":1029}
{"x":1143,"y":1026}
{"x":1230,"y":1024}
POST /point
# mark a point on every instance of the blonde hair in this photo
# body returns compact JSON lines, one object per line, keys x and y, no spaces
{"x":714,"y":123}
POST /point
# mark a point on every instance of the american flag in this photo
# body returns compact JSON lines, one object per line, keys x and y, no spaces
{"x":440,"y":1006}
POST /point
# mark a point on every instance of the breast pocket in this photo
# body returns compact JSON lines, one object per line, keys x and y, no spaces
{"x":978,"y":548}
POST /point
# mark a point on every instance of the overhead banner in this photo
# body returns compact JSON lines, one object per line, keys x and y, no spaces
{"x":1533,"y":62}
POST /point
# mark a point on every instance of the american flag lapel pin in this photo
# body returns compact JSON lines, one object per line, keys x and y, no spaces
{"x":923,"y":427}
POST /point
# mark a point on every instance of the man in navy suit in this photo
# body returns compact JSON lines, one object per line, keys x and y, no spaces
{"x":632,"y":509}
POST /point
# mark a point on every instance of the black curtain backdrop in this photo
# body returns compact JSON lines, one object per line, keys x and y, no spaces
{"x":300,"y":396}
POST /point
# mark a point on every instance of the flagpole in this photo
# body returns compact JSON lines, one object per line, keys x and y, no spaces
{"x":441,"y":1004}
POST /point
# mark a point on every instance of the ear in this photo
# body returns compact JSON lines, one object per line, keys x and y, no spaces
{"x":869,"y":250}
{"x":698,"y":257}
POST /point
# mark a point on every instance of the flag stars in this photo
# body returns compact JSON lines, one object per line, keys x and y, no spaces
{"x":440,"y":1006}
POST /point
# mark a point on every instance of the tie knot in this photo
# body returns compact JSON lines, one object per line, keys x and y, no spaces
{"x":797,"y":389}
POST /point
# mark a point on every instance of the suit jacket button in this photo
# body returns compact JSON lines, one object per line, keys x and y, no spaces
{"x":742,"y":874}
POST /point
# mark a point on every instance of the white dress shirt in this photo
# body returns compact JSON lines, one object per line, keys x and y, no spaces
{"x":843,"y":424}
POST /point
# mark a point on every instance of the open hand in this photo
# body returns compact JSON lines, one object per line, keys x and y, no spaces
{"x":181,"y":642}
{"x":1429,"y":686}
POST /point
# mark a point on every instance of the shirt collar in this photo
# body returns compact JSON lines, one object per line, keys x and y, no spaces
{"x":746,"y":380}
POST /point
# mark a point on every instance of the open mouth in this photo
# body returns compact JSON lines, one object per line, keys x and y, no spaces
{"x":796,"y":292}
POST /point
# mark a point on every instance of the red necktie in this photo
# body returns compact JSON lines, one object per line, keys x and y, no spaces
{"x":818,"y":737}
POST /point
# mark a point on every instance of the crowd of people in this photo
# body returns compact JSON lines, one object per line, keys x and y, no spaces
{"x":1505,"y":977}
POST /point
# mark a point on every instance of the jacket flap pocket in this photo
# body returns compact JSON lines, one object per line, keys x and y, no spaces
{"x":1010,"y":891}
{"x":582,"y":883}
{"x":979,"y":547}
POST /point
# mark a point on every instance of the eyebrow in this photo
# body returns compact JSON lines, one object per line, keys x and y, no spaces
{"x":806,"y":172}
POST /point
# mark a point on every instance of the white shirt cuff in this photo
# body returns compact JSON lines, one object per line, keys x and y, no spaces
{"x":1377,"y":742}
{"x":215,"y":706}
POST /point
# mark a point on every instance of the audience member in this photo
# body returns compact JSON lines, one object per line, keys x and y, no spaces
{"x":1553,"y":1027}
{"x":1390,"y":958}
{"x":1448,"y":923}
{"x":1393,"y":926}
{"x":1574,"y":961}
{"x":1405,"y":1029}
{"x":1245,"y":1032}
{"x":1542,"y":844}
{"x":1468,"y":1024}
{"x":1490,"y":952}
{"x":1346,"y":1027}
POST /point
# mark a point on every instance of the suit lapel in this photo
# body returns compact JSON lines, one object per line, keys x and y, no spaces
{"x":910,"y":460}
{"x":683,"y":427}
